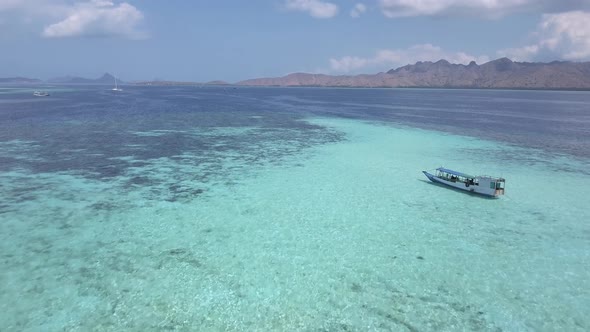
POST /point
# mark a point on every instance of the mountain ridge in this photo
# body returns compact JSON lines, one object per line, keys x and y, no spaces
{"x":499,"y":73}
{"x":19,"y":80}
{"x":106,"y":78}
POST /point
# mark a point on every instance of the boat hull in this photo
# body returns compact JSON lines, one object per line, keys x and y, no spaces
{"x":458,"y":185}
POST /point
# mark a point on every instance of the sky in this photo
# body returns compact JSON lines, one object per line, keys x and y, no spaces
{"x":233,"y":40}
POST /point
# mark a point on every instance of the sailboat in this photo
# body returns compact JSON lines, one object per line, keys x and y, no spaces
{"x":116,"y":88}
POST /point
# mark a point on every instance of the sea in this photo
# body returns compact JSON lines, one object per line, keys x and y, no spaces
{"x":199,"y":208}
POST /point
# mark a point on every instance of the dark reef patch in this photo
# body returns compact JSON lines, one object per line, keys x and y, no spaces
{"x":109,"y":139}
{"x":104,"y":206}
{"x":180,"y":255}
{"x":356,"y":287}
{"x":140,"y":181}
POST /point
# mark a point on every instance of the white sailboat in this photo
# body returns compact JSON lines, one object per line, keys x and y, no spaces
{"x":116,"y":88}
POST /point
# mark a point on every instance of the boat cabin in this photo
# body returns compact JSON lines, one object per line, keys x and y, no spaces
{"x":494,"y":184}
{"x":454,"y":176}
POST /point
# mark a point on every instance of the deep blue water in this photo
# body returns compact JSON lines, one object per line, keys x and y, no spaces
{"x":81,"y":129}
{"x":557,"y":122}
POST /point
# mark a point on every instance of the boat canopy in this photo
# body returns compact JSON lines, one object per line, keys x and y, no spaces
{"x":450,"y":171}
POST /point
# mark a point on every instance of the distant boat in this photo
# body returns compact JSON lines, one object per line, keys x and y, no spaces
{"x":116,"y":88}
{"x":482,"y":184}
{"x":40,"y":93}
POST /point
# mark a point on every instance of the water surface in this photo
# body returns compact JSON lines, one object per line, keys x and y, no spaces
{"x":292,"y":209}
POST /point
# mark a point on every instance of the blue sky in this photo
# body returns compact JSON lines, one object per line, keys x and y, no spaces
{"x":232,"y":40}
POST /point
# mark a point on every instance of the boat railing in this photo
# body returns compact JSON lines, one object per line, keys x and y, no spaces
{"x":495,"y":178}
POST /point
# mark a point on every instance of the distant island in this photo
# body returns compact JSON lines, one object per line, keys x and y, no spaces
{"x":500,"y":73}
{"x":104,"y":79}
{"x":497,"y":74}
{"x":164,"y":82}
{"x":19,"y":80}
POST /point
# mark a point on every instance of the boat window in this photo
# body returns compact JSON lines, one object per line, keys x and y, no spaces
{"x":493,"y":185}
{"x":499,"y":185}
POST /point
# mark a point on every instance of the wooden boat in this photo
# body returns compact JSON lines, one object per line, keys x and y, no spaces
{"x":483,"y":184}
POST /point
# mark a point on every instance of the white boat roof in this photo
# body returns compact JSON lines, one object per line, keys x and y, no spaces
{"x":450,"y":171}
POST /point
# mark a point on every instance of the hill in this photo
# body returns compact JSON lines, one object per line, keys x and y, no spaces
{"x":104,"y":79}
{"x":19,"y":80}
{"x":500,"y":73}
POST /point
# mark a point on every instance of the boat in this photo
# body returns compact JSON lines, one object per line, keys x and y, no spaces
{"x":116,"y":88}
{"x":40,"y":93}
{"x":482,"y":184}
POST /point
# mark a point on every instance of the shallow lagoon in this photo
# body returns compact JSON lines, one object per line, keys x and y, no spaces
{"x":286,"y":218}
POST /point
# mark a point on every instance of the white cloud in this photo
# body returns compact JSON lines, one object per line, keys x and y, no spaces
{"x":385,"y":59}
{"x":316,"y":8}
{"x":480,"y":8}
{"x":67,"y":18}
{"x":98,"y":18}
{"x":357,"y":10}
{"x":525,"y":53}
{"x":349,"y":63}
{"x":402,"y":8}
{"x":565,"y":36}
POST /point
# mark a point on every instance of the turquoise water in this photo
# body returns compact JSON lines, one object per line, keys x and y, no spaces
{"x":341,"y":235}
